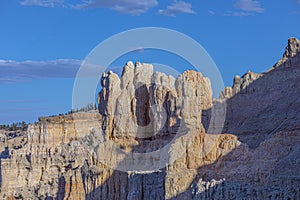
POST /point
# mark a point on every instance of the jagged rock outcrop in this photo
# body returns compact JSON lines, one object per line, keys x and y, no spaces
{"x":143,"y":108}
{"x":291,"y":55}
{"x":52,"y":149}
{"x":256,"y":157}
{"x":241,"y":85}
{"x":145,"y":102}
{"x":260,"y":105}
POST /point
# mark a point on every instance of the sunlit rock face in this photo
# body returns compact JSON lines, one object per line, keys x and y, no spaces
{"x":146,"y":102}
{"x":143,"y":111}
{"x":291,"y":55}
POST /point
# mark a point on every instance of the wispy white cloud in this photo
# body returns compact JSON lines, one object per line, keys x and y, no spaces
{"x":13,"y":71}
{"x":249,"y":6}
{"x":43,"y":3}
{"x":246,"y":8}
{"x":238,"y":14}
{"x":211,"y":12}
{"x":176,"y":8}
{"x":133,"y":7}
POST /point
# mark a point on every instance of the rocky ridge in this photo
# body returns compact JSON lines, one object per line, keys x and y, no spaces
{"x":143,"y":111}
{"x":291,"y":55}
{"x":270,"y":100}
{"x":57,"y":163}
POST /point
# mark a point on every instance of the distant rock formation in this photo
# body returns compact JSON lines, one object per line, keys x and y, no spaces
{"x":260,"y":105}
{"x":291,"y":54}
{"x":256,"y":157}
{"x":240,"y":85}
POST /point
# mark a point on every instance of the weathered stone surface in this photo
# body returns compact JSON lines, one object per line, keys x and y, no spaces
{"x":269,"y":171}
{"x":56,"y":164}
{"x":142,"y":112}
{"x":241,"y":85}
{"x":291,"y":54}
{"x":51,"y":151}
{"x":143,"y":102}
{"x":263,"y":104}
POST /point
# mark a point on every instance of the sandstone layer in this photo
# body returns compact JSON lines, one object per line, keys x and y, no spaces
{"x":257,"y":156}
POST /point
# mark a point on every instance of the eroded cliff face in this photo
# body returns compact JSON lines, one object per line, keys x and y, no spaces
{"x":141,"y":112}
{"x":291,"y":55}
{"x":50,"y":151}
{"x":147,"y":102}
{"x":256,"y":157}
{"x":260,"y":105}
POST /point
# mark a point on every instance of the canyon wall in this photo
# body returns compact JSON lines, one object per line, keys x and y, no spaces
{"x":145,"y":114}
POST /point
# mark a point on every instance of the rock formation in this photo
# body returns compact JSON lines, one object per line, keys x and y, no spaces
{"x":260,"y":105}
{"x":150,"y":101}
{"x":255,"y":157}
{"x":291,"y":54}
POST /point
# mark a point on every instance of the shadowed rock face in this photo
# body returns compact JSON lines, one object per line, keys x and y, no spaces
{"x":260,"y":105}
{"x":144,"y":111}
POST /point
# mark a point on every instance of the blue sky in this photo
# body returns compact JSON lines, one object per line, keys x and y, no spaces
{"x":42,"y":42}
